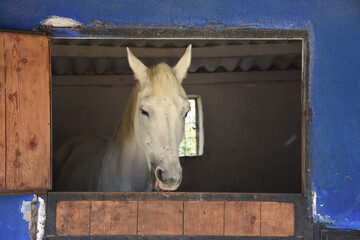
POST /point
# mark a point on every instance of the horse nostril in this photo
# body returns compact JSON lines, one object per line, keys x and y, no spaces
{"x":158,"y":174}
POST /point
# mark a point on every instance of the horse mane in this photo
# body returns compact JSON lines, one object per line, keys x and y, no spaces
{"x":163,"y":82}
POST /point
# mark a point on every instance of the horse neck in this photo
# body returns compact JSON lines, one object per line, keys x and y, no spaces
{"x":125,"y":155}
{"x":123,"y":142}
{"x":126,"y":168}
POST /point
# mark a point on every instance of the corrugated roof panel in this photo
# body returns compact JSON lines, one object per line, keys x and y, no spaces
{"x":63,"y":65}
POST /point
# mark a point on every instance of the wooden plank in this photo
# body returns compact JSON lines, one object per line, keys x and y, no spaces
{"x":113,"y":218}
{"x":192,"y":78}
{"x":27,"y":112}
{"x":203,"y":218}
{"x":160,"y":218}
{"x":72,"y":218}
{"x":277,"y":219}
{"x":2,"y":115}
{"x":202,"y":52}
{"x":242,"y":218}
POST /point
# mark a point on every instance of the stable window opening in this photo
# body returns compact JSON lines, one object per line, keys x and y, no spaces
{"x":193,"y":142}
{"x":251,"y":90}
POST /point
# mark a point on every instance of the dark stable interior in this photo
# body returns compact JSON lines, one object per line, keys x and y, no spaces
{"x":252,"y":117}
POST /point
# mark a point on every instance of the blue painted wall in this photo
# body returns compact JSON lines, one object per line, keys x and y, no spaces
{"x":12,"y":224}
{"x":334,"y":28}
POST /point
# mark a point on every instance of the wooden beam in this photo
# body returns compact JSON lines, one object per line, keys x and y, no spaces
{"x":202,"y":52}
{"x":192,"y":78}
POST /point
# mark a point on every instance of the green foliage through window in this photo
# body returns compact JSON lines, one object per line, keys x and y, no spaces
{"x":189,"y":146}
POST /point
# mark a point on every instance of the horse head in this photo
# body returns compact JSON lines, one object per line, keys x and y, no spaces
{"x":159,"y":117}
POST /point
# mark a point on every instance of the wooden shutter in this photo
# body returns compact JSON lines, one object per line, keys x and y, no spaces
{"x":25,"y":140}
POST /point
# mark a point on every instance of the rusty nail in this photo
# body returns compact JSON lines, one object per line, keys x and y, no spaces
{"x":17,"y":69}
{"x":18,"y":153}
{"x":24,"y":60}
{"x":17,"y":38}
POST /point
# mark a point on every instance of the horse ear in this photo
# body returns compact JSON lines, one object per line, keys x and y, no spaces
{"x":139,"y":69}
{"x":182,"y":66}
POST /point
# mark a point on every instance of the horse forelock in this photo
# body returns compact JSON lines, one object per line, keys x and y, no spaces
{"x":162,"y":82}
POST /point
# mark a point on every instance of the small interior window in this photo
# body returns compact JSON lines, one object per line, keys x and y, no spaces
{"x":193,"y":137}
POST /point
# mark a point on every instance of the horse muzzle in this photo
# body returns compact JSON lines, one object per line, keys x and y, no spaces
{"x":169,"y":180}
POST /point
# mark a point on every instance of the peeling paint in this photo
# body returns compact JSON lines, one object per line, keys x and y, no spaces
{"x":29,"y":211}
{"x":100,"y":23}
{"x":318,"y":217}
{"x":41,"y":217}
{"x":314,"y":198}
{"x":26,"y":210}
{"x":60,"y":22}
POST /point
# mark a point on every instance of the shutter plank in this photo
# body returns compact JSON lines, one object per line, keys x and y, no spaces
{"x":2,"y":114}
{"x":277,"y":219}
{"x":242,"y":218}
{"x":203,"y":218}
{"x":160,"y":218}
{"x":72,"y":218}
{"x":113,"y":218}
{"x":27,"y":112}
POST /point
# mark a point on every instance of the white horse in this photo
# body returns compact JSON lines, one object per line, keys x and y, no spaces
{"x":143,"y":153}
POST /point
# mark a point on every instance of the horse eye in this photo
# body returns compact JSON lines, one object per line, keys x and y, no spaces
{"x":145,"y":113}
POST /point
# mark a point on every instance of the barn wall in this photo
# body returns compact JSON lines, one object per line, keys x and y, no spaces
{"x":246,"y":127}
{"x":334,"y":81}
